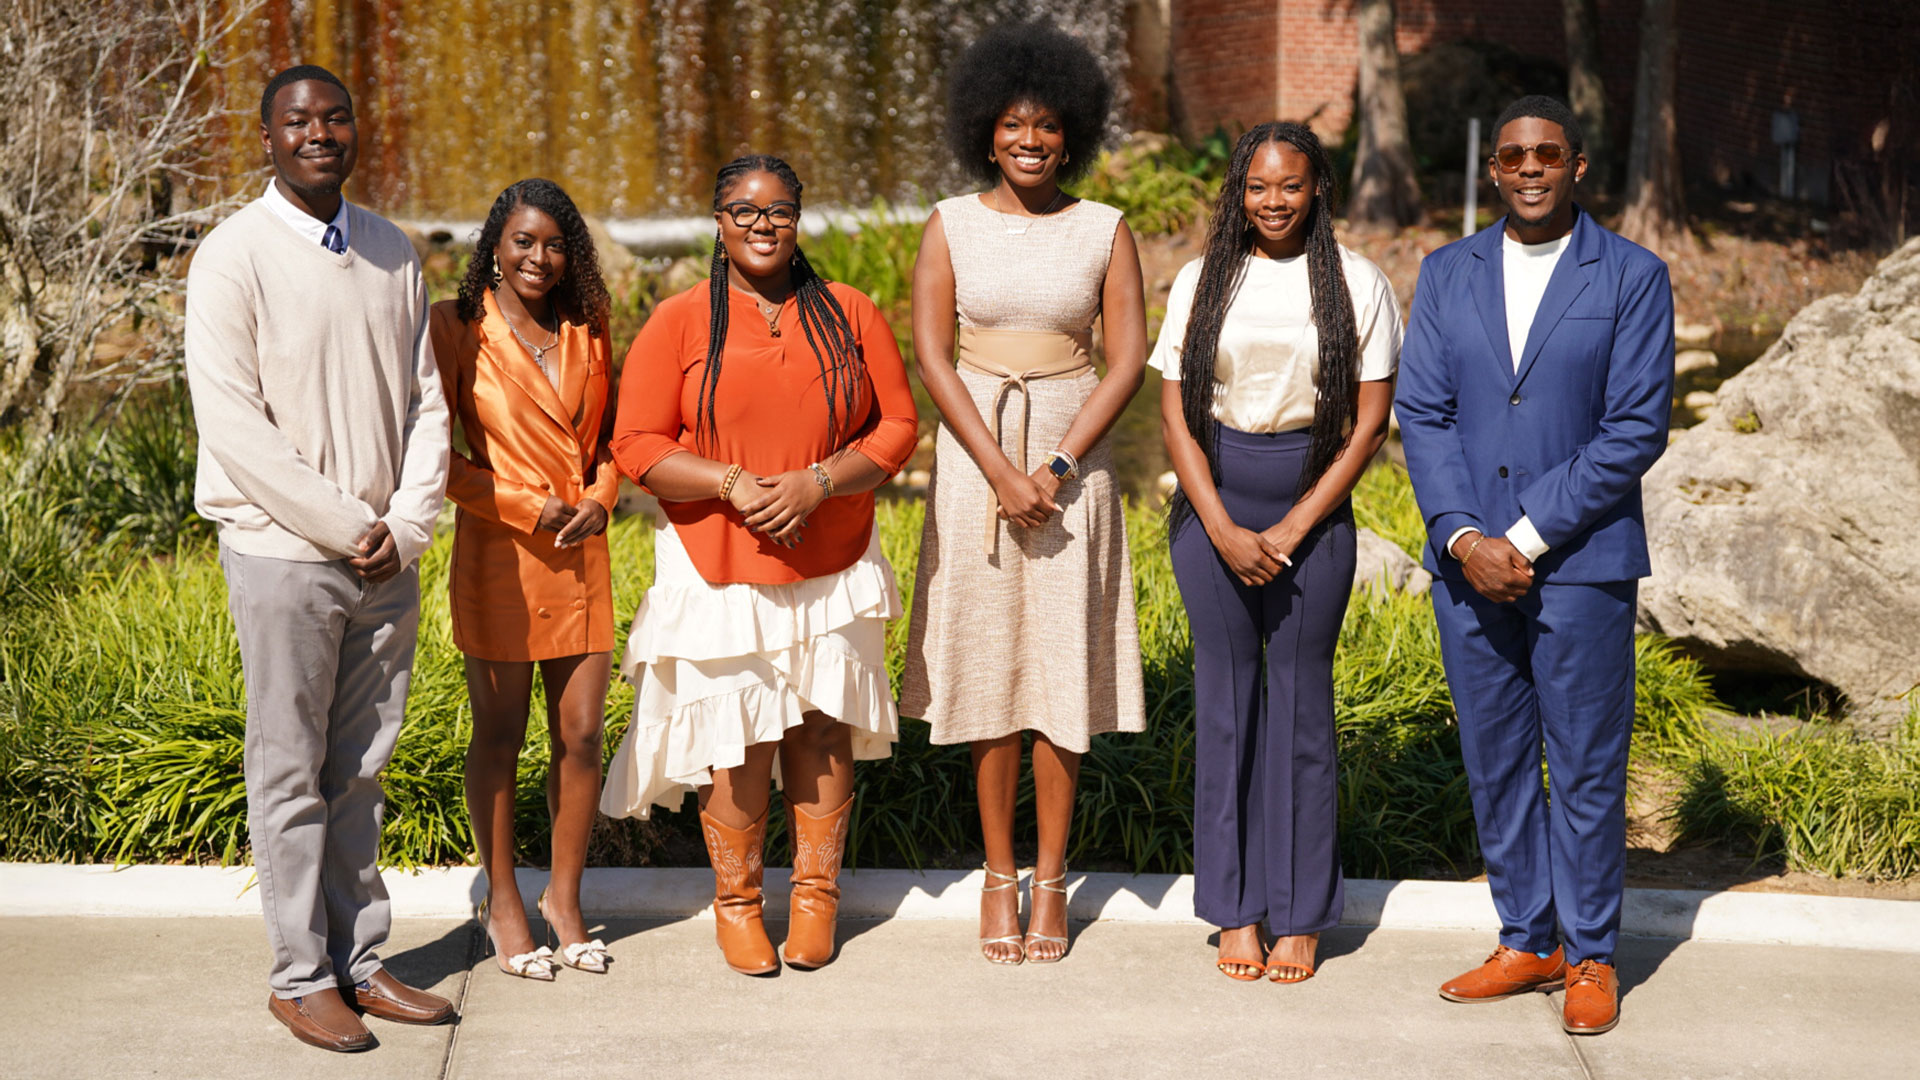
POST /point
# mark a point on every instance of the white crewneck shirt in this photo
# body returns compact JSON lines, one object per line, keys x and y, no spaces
{"x":1526,"y":268}
{"x":304,"y":223}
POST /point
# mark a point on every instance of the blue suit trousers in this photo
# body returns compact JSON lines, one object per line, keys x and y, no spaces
{"x":1554,"y":669}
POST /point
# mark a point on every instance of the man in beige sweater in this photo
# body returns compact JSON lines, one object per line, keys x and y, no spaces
{"x":323,"y":457}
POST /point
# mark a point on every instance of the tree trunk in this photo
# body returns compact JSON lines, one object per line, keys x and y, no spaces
{"x":1656,"y":214}
{"x":1386,"y":194}
{"x":1584,"y":92}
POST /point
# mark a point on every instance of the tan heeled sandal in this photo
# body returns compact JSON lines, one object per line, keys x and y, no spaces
{"x":1052,"y":885}
{"x":1007,"y":881}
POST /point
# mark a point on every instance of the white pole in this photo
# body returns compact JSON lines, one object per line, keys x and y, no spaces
{"x":1470,"y":221}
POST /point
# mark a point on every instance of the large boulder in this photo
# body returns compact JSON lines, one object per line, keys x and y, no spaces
{"x":1786,"y":527}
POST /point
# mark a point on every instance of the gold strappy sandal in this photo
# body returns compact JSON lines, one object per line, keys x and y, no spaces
{"x":1052,"y":885}
{"x":1007,"y":881}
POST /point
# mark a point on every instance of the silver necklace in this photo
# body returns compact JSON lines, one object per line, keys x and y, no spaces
{"x":999,"y":206}
{"x":539,"y":351}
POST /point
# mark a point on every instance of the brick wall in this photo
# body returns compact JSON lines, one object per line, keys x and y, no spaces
{"x":1839,"y":65}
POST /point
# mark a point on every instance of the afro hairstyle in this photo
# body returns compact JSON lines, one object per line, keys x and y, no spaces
{"x":294,"y":74}
{"x":1035,"y":62}
{"x":1551,"y":109}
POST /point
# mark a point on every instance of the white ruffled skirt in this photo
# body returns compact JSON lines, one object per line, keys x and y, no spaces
{"x":719,"y":668}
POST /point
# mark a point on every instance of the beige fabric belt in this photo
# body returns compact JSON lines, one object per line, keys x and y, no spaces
{"x":1016,"y":357}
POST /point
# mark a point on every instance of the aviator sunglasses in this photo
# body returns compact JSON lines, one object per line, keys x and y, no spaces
{"x":1510,"y":156}
{"x":746,"y":215}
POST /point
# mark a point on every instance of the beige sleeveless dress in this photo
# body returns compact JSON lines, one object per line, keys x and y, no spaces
{"x":1018,"y":629}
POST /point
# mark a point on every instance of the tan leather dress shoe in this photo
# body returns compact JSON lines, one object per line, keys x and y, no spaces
{"x":388,"y":998}
{"x":321,"y":1018}
{"x":1506,"y":973}
{"x":1593,"y":999}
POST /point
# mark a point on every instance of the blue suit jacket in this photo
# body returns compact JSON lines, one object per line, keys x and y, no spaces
{"x":1566,"y":439}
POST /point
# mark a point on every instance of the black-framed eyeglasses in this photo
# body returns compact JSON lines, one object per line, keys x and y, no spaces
{"x":746,"y":215}
{"x":1510,"y":156}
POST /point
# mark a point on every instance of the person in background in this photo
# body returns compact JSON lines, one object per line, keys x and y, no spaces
{"x":525,"y":362}
{"x":1277,"y":357}
{"x":1534,"y":394}
{"x":762,"y":407}
{"x":323,"y":452}
{"x":1023,"y":616}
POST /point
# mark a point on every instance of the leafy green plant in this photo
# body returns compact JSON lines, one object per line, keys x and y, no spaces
{"x":1818,"y":799}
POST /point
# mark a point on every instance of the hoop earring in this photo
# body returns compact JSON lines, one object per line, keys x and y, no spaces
{"x":1065,"y":157}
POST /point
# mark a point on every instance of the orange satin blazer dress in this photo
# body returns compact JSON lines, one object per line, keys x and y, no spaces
{"x":515,"y":596}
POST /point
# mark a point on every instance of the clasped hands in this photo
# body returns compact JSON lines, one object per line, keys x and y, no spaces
{"x":778,"y":505}
{"x":1026,"y":499}
{"x":573,"y":524}
{"x":1257,"y":557}
{"x":1494,"y":567}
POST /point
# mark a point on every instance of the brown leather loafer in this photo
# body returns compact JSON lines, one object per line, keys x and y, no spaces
{"x":1593,"y":999}
{"x":321,"y":1018}
{"x":388,"y":998}
{"x":1506,"y":973}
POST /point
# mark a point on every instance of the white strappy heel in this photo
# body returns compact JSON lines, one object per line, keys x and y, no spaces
{"x":581,"y":955}
{"x":1008,"y":881}
{"x":536,"y":965}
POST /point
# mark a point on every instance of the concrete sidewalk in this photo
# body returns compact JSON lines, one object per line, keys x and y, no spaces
{"x":186,"y":997}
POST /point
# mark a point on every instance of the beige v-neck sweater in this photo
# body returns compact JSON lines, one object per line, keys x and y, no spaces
{"x":314,"y":389}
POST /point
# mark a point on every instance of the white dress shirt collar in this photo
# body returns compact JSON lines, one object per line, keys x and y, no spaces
{"x":304,"y":223}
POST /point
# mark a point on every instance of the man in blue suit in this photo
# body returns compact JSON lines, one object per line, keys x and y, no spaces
{"x":1534,"y":392}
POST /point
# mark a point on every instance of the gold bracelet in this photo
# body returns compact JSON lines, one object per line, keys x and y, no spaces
{"x":726,"y":486}
{"x":1471,"y":548}
{"x":823,"y":478}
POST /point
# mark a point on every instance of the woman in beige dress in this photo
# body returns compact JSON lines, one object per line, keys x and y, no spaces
{"x":1023,"y":613}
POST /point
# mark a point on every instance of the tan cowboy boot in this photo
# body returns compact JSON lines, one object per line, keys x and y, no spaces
{"x":737,"y":923}
{"x":819,"y":844}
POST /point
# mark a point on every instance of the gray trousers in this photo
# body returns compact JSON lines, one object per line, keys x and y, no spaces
{"x":327,"y":659}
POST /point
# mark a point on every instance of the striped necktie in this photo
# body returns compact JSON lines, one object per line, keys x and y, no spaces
{"x":333,"y":241}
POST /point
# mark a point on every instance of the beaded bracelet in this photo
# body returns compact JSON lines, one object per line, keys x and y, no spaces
{"x":726,"y":486}
{"x":823,"y":478}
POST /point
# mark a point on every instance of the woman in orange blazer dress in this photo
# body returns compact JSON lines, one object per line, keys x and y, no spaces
{"x":524,"y":358}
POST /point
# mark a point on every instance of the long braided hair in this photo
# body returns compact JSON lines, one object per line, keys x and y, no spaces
{"x":1224,"y":266}
{"x":580,"y":291}
{"x":843,"y":370}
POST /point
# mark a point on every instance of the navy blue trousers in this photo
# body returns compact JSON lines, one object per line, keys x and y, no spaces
{"x":1554,"y":668}
{"x":1265,"y":779}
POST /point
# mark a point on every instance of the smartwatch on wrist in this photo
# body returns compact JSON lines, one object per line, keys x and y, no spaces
{"x":1062,"y":466}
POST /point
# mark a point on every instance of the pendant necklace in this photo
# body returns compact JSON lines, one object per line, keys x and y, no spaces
{"x":999,"y":204}
{"x":539,"y":351}
{"x":768,"y":311}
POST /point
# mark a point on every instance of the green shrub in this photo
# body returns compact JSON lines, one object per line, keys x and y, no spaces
{"x":122,"y":711}
{"x":1160,"y":185}
{"x":1818,"y":799}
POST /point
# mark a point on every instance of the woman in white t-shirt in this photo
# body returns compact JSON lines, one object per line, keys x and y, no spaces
{"x":1278,"y":355}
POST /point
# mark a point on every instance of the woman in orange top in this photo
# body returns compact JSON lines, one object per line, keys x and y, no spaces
{"x":523,"y":356}
{"x":762,"y":407}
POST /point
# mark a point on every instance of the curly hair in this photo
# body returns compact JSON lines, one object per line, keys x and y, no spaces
{"x":1036,"y":62}
{"x":843,"y":369}
{"x":580,"y":291}
{"x":1224,"y":266}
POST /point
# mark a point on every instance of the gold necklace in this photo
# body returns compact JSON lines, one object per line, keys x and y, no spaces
{"x":999,"y":207}
{"x":768,"y":311}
